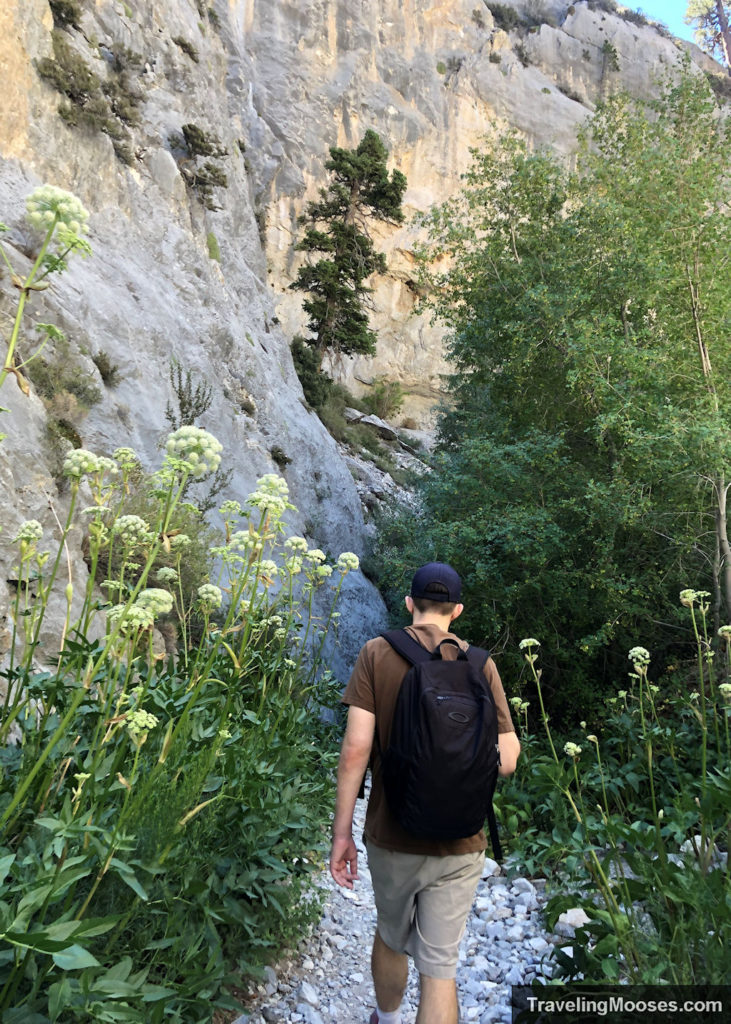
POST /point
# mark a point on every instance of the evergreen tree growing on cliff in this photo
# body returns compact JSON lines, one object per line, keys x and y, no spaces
{"x":712,"y":21}
{"x":341,"y":253}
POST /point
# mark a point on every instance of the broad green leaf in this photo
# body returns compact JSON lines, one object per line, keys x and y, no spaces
{"x":74,"y":958}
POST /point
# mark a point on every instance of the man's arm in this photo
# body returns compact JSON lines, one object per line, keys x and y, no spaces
{"x":509,"y":747}
{"x":354,"y":755}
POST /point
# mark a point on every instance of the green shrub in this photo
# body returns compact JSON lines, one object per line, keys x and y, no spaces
{"x":214,"y":249}
{"x":506,"y":18}
{"x":109,"y":107}
{"x":636,"y":814}
{"x":66,"y":12}
{"x":441,"y":68}
{"x":611,"y":57}
{"x":280,"y":457}
{"x":495,"y":57}
{"x":315,"y":384}
{"x":108,"y":370}
{"x":385,"y":398}
{"x":187,"y":47}
{"x":522,"y":54}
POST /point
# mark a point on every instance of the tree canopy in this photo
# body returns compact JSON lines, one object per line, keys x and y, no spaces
{"x":341,"y":253}
{"x":583,"y":467}
{"x":712,"y":19}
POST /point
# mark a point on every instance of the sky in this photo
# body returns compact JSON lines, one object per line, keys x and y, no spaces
{"x":668,"y":11}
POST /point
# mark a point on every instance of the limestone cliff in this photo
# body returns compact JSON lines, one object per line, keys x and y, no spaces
{"x":198,"y":273}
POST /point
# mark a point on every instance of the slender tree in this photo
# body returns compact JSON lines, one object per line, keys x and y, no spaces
{"x":712,"y":19}
{"x":341,"y":253}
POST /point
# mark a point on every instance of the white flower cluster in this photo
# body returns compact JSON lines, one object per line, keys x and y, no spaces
{"x":158,"y":601}
{"x":132,"y":531}
{"x":210,"y":595}
{"x":572,"y":749}
{"x":639,"y":656}
{"x":245,"y":540}
{"x":30,"y":532}
{"x":230,"y":509}
{"x":79,"y":462}
{"x":139,"y":724}
{"x":179,"y":542}
{"x":48,"y":205}
{"x":528,"y":642}
{"x":725,"y":690}
{"x":321,"y":572}
{"x":315,"y":555}
{"x":199,"y":450}
{"x":347,"y":561}
{"x":126,"y":457}
{"x":167,"y":575}
{"x":268,"y":567}
{"x":135,"y":617}
{"x":297,"y":545}
{"x":271,"y":495}
{"x":725,"y":631}
{"x":293,"y":565}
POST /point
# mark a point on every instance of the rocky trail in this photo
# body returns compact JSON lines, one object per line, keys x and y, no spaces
{"x":328,"y":978}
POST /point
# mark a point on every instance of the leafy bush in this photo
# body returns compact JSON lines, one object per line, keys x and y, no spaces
{"x":633,"y":821}
{"x":161,"y":812}
{"x":214,"y":249}
{"x":66,"y":12}
{"x":506,"y":18}
{"x":385,"y":398}
{"x":108,"y":370}
{"x":315,"y":384}
{"x":187,"y":47}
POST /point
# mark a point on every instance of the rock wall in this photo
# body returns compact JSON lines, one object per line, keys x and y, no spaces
{"x":429,"y":77}
{"x":277,"y":82}
{"x":150,"y":293}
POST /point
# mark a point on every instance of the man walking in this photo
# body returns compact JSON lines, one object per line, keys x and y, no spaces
{"x":423,"y":887}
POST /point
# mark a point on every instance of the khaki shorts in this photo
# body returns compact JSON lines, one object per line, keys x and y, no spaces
{"x":423,"y":903}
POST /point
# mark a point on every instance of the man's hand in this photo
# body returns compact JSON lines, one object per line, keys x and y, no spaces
{"x":344,"y":861}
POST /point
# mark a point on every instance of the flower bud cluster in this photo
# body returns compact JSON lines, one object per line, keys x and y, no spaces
{"x":139,"y":724}
{"x":156,"y":600}
{"x":572,"y":749}
{"x":80,"y":462}
{"x":297,"y":545}
{"x":132,"y":531}
{"x":197,"y":449}
{"x":639,"y":656}
{"x":126,"y":457}
{"x":30,"y":533}
{"x":48,"y":205}
{"x":136,"y":617}
{"x":167,"y":574}
{"x":210,"y":595}
{"x":271,"y":495}
{"x":348,"y":562}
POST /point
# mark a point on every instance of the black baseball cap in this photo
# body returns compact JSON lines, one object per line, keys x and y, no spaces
{"x":437,"y":581}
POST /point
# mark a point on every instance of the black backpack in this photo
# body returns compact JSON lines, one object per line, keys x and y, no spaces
{"x":441,"y":764}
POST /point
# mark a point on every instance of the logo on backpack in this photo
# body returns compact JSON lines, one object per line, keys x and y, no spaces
{"x":441,"y":764}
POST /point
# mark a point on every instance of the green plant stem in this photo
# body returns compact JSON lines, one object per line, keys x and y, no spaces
{"x":24,"y":292}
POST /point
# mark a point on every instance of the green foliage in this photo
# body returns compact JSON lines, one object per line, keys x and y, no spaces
{"x":193,"y":401}
{"x":214,"y":249}
{"x":441,"y":68}
{"x":108,"y":370}
{"x":111,"y":106}
{"x":281,"y":458}
{"x":187,"y":47}
{"x":66,"y":12}
{"x":610,"y":56}
{"x":342,"y":254}
{"x":506,"y":18}
{"x":495,"y":57}
{"x":160,"y":812}
{"x":711,"y":19}
{"x":630,"y":818}
{"x":201,"y":143}
{"x":385,"y":398}
{"x":315,"y":384}
{"x":201,"y":178}
{"x":583,"y":462}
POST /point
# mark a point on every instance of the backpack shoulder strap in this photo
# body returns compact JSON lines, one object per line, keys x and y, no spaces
{"x":405,"y":645}
{"x":477,"y":656}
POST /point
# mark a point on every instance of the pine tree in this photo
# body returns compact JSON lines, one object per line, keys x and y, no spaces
{"x":342,"y":253}
{"x":712,"y":19}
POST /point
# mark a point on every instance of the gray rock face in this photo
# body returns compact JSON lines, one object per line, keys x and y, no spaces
{"x":277,"y":82}
{"x":150,"y":293}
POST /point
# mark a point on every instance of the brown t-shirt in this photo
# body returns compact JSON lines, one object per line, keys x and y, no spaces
{"x":374,"y":686}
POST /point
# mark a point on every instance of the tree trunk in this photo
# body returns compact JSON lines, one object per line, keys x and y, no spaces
{"x":722,"y":489}
{"x":725,"y":34}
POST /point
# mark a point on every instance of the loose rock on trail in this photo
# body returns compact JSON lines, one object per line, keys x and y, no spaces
{"x":329,"y":978}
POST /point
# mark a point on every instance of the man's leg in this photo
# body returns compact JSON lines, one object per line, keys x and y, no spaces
{"x":437,"y":1001}
{"x":390,"y":973}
